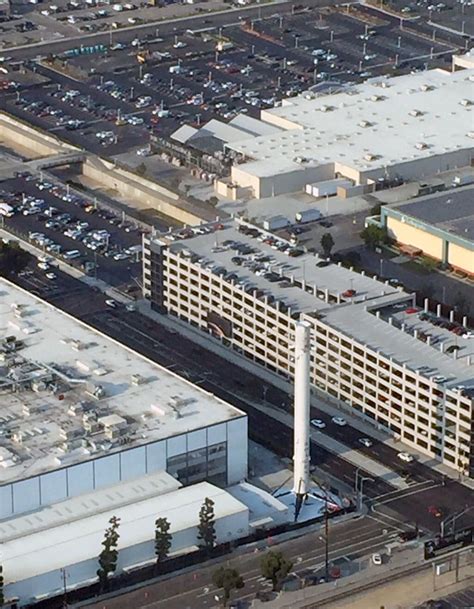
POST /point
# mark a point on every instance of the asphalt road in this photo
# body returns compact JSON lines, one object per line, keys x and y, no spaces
{"x":194,"y":590}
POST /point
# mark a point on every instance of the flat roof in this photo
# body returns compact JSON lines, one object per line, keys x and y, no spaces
{"x":372,"y":125}
{"x":451,"y":211}
{"x":211,"y":253}
{"x":353,"y":315}
{"x":35,"y":550}
{"x":400,"y":344}
{"x":71,"y":374}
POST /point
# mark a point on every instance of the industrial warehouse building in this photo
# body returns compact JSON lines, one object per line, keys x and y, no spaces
{"x":371,"y":350}
{"x":405,"y":127}
{"x":440,"y":226}
{"x":64,"y":540}
{"x":81,"y":412}
{"x":91,"y":429}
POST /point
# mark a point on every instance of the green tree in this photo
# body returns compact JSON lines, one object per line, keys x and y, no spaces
{"x":275,"y":567}
{"x":163,"y":539}
{"x":228,"y":579}
{"x":373,"y":235}
{"x":2,"y":596}
{"x":109,"y":555}
{"x":327,"y":243}
{"x":206,"y":526}
{"x":12,"y":259}
{"x":141,"y":169}
{"x":213,"y":201}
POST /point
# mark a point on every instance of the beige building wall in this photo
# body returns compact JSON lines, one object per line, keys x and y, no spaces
{"x":461,"y":258}
{"x":409,"y":235}
{"x":279,"y":121}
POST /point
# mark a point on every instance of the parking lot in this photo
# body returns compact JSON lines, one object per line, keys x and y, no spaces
{"x":127,"y":92}
{"x":72,"y":228}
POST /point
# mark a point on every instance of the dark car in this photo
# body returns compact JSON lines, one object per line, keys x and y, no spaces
{"x":408,"y":536}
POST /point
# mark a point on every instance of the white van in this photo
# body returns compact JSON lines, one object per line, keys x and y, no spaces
{"x":71,"y":254}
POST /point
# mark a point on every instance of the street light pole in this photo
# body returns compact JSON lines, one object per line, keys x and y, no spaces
{"x":326,"y":539}
{"x":361,"y":495}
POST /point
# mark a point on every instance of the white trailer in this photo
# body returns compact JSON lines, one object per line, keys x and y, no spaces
{"x":276,"y":222}
{"x":462,"y":181}
{"x":308,"y":215}
{"x":6,"y":210}
{"x":328,"y":187}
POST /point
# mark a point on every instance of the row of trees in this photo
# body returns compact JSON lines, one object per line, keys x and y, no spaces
{"x":163,"y":540}
{"x":273,"y":566}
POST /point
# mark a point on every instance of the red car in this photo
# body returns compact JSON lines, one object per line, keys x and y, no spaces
{"x":435,"y":511}
{"x":411,"y":310}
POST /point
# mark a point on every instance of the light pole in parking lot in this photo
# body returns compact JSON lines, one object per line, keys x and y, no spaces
{"x":399,"y":44}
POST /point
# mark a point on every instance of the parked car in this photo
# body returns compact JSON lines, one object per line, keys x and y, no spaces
{"x":339,"y":421}
{"x":318,"y":423}
{"x":404,"y":456}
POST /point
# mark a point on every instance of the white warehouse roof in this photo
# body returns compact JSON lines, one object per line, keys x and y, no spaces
{"x":69,"y":543}
{"x":379,"y":123}
{"x":77,"y":383}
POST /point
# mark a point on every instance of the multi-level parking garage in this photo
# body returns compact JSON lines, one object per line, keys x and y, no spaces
{"x":372,"y":349}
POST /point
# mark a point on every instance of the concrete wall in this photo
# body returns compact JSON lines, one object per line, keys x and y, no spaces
{"x":279,"y":121}
{"x":461,"y":258}
{"x":410,"y":235}
{"x":278,"y":184}
{"x":146,"y":193}
{"x":32,"y":493}
{"x":415,"y":169}
{"x":35,"y":140}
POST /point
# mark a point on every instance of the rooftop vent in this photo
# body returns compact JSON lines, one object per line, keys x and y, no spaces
{"x":471,"y":134}
{"x":138,"y":379}
{"x":376,"y":98}
{"x":415,"y":113}
{"x":370,"y":157}
{"x":77,"y":345}
{"x":465,"y":102}
{"x":326,"y":108}
{"x":426,"y":88}
{"x":365,"y":124}
{"x":421,"y":146}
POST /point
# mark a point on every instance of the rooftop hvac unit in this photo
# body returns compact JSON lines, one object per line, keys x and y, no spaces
{"x":465,"y":102}
{"x":138,"y":379}
{"x":77,"y":345}
{"x":370,"y":157}
{"x":376,"y":98}
{"x":470,"y":134}
{"x":98,"y":391}
{"x":38,"y":386}
{"x":415,"y":113}
{"x":365,"y":124}
{"x":426,"y":87}
{"x":421,"y":146}
{"x":326,"y":108}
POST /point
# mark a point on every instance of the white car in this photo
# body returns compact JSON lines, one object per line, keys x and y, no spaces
{"x":131,"y":307}
{"x":111,"y":303}
{"x":44,"y":266}
{"x":51,"y":276}
{"x":318,"y":423}
{"x":377,"y":559}
{"x":339,"y":421}
{"x":367,"y":442}
{"x":406,"y":457}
